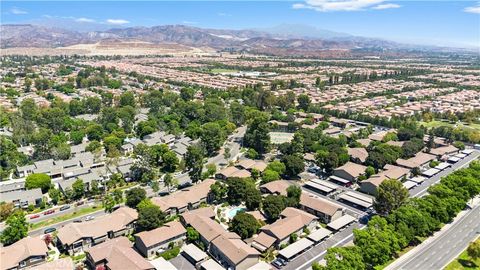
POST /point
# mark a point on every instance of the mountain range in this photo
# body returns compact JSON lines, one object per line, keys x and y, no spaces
{"x":283,"y":39}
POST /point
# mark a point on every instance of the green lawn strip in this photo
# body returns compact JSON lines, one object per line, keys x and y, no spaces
{"x":68,"y":216}
{"x":463,"y":262}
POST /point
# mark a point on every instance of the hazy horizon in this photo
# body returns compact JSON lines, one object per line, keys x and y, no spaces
{"x":441,"y":23}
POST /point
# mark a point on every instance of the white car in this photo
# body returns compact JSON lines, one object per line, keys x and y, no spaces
{"x":89,"y":218}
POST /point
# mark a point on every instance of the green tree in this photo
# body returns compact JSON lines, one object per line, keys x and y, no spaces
{"x":212,"y":137}
{"x":219,"y":191}
{"x":294,"y":165}
{"x":150,"y":217}
{"x":344,"y":258}
{"x":253,"y":200}
{"x":238,"y":189}
{"x":192,"y":235}
{"x":38,"y":180}
{"x":78,"y":188}
{"x":94,"y":188}
{"x":54,"y":194}
{"x":76,"y":136}
{"x":244,"y":224}
{"x":391,"y":194}
{"x":194,"y":162}
{"x":294,"y":193}
{"x":127,"y":99}
{"x":277,"y":166}
{"x":257,"y":135}
{"x":170,"y":161}
{"x":108,"y":203}
{"x":273,"y":205}
{"x":16,"y":228}
{"x":369,"y":171}
{"x":134,"y":196}
{"x":269,"y":176}
{"x":187,"y":93}
{"x":303,"y":102}
{"x":473,"y":250}
{"x":117,"y":195}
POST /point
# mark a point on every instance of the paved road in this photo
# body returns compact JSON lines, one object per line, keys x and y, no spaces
{"x":57,"y":226}
{"x":305,"y":260}
{"x":421,"y":190}
{"x":445,"y":247}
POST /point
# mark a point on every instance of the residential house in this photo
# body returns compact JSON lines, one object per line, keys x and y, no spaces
{"x":278,"y":187}
{"x":76,"y":237}
{"x":419,"y":160}
{"x":23,"y":198}
{"x":232,"y":252}
{"x":358,"y":155}
{"x":370,"y":186}
{"x":24,"y":253}
{"x":292,"y":221}
{"x":150,"y":243}
{"x":230,"y":172}
{"x":349,"y":171}
{"x":325,"y":210}
{"x":185,"y":199}
{"x":116,"y":254}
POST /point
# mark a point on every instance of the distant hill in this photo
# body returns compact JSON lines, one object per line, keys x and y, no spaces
{"x":284,"y":39}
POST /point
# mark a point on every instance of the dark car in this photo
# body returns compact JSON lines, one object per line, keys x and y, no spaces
{"x":80,"y":203}
{"x":49,"y":230}
{"x":65,"y":207}
{"x":277,"y":263}
{"x":77,"y":221}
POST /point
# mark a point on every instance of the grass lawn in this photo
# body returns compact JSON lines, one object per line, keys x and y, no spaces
{"x":68,"y":216}
{"x":436,"y":123}
{"x":223,"y":70}
{"x":463,"y":262}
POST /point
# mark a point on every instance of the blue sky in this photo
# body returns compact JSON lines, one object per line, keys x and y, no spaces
{"x":453,"y":23}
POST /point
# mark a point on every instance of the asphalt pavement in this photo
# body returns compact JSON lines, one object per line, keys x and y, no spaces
{"x":421,"y":189}
{"x":317,"y":253}
{"x":443,"y":247}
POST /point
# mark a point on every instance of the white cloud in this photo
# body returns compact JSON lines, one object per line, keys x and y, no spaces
{"x":189,"y":22}
{"x":474,"y":9}
{"x":18,"y":11}
{"x":117,"y":21}
{"x":84,"y":20}
{"x":343,"y":5}
{"x":386,"y":6}
{"x":223,"y":14}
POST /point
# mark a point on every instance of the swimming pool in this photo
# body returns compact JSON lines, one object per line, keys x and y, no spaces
{"x":232,"y":212}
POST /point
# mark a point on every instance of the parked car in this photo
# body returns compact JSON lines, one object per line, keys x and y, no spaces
{"x":89,"y":218}
{"x":279,"y":263}
{"x":35,"y":216}
{"x":65,"y":207}
{"x":48,"y":212}
{"x":49,"y":230}
{"x":77,"y":221}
